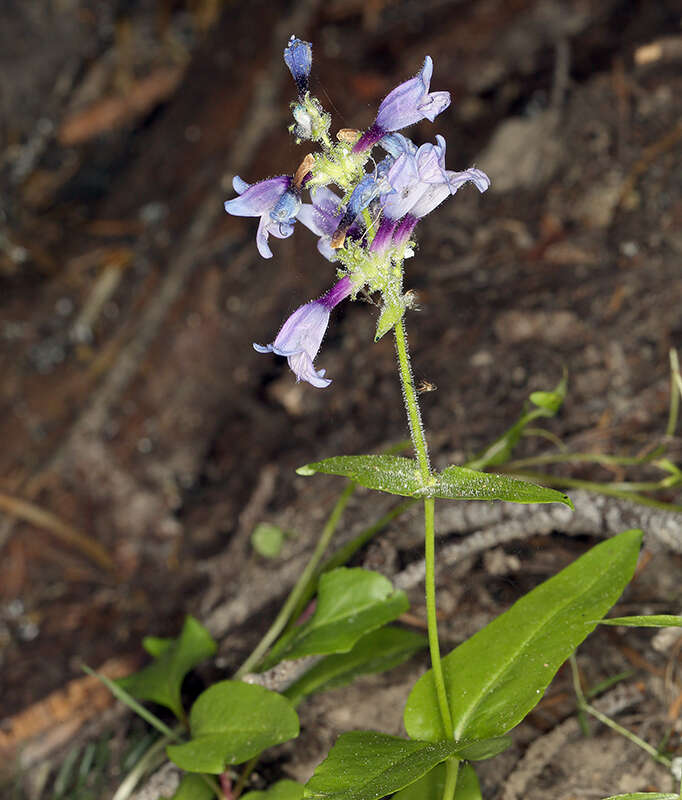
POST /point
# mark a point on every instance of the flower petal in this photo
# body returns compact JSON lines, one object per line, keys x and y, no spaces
{"x":259,"y":197}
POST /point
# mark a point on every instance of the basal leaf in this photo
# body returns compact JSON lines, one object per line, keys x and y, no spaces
{"x":365,"y":765}
{"x":498,"y":675}
{"x":651,"y":621}
{"x":160,"y":682}
{"x":350,"y":603}
{"x":401,"y":476}
{"x":192,"y":787}
{"x":377,"y":651}
{"x":282,"y":790}
{"x":431,"y":785}
{"x":231,"y":722}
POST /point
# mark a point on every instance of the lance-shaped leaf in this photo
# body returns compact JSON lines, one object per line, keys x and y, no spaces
{"x":231,"y":722}
{"x":431,"y":785}
{"x":160,"y":682}
{"x":377,"y":651}
{"x":498,"y":675}
{"x":365,"y":765}
{"x":401,"y":476}
{"x":350,"y":603}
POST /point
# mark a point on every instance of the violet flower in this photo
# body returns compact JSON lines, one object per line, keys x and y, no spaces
{"x":274,"y":201}
{"x":301,"y":335}
{"x":322,"y":217}
{"x":406,"y":104}
{"x":298,"y":56}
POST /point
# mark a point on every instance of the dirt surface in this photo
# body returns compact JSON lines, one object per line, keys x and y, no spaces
{"x":142,"y":437}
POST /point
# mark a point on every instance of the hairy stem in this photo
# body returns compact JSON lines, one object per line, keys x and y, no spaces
{"x":419,"y":441}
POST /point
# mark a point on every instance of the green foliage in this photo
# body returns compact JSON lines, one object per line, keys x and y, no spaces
{"x":366,"y":764}
{"x":282,"y":790}
{"x":377,"y":651}
{"x":267,"y":540}
{"x":498,"y":675}
{"x":651,"y":621}
{"x":161,"y":681}
{"x":546,"y":405}
{"x":430,"y":786}
{"x":401,"y":476}
{"x":193,"y":787}
{"x":644,"y":796}
{"x":231,"y":722}
{"x":350,"y":603}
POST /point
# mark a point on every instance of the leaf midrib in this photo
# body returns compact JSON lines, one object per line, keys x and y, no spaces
{"x":461,"y":726}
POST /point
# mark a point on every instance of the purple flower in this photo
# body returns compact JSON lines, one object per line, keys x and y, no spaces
{"x":322,"y":218}
{"x":421,"y":182}
{"x":405,"y":105}
{"x":298,"y":56}
{"x":301,"y":335}
{"x":274,"y":201}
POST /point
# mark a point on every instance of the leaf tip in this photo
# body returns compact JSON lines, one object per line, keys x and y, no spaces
{"x":305,"y":470}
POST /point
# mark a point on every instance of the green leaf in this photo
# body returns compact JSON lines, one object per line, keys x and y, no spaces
{"x":350,"y":603}
{"x":461,"y":483}
{"x":652,"y":621}
{"x":547,"y":404}
{"x":192,"y":787}
{"x":267,"y":540}
{"x":377,"y":651}
{"x":156,"y":645}
{"x":160,"y":682}
{"x":282,"y":790}
{"x":401,"y":476}
{"x":644,"y":796}
{"x":498,"y":675}
{"x":230,"y":723}
{"x":431,"y":785}
{"x":365,"y":765}
{"x":390,"y":314}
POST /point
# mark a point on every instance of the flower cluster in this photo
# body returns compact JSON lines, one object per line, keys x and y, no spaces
{"x":367,"y":229}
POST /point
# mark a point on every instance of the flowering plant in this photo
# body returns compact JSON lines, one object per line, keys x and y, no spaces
{"x":462,"y":709}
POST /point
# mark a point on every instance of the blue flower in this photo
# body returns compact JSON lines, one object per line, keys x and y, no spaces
{"x":406,"y":104}
{"x":274,"y":201}
{"x":298,"y":56}
{"x":301,"y":335}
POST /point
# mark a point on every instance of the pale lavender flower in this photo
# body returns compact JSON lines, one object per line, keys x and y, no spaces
{"x":298,"y":56}
{"x":274,"y":201}
{"x":406,"y":104}
{"x":301,"y":335}
{"x":322,"y":217}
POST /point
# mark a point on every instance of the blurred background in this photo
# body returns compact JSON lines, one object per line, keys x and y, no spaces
{"x":141,"y":436}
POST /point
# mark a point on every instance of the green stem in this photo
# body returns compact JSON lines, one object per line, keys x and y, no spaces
{"x":296,"y":593}
{"x":411,"y":404}
{"x":243,"y":778}
{"x":419,"y":441}
{"x":451,"y":770}
{"x":583,"y":705}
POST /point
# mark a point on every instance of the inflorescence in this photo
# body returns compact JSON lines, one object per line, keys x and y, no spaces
{"x":368,"y":229}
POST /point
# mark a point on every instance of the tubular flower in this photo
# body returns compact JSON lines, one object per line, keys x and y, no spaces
{"x":301,"y":335}
{"x":274,"y":201}
{"x":322,"y":217}
{"x":406,"y":104}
